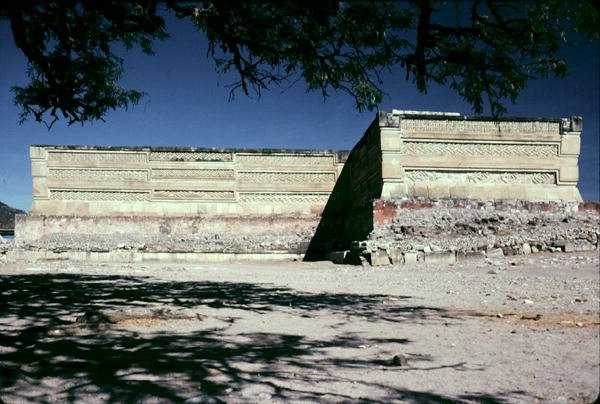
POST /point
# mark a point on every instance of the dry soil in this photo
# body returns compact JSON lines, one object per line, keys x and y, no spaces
{"x":518,"y":329}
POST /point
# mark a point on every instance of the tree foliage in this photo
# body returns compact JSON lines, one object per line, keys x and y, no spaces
{"x":485,"y":50}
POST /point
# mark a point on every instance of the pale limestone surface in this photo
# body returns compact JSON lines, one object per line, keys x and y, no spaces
{"x":445,"y":155}
{"x":403,"y":155}
{"x":105,"y":181}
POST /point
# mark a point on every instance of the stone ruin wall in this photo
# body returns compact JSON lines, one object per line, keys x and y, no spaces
{"x":104,"y":181}
{"x":466,"y":170}
{"x":449,"y":156}
{"x":295,"y":201}
{"x":226,"y":199}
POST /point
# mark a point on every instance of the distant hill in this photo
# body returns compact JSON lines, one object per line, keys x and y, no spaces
{"x":7,"y":216}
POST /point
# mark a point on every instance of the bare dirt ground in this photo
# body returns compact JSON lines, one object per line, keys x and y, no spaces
{"x":518,"y":329}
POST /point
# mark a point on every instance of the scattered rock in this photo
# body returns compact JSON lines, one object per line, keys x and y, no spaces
{"x":399,"y":360}
{"x":534,"y":317}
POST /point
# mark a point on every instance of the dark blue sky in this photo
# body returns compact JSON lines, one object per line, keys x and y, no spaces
{"x":187,"y":105}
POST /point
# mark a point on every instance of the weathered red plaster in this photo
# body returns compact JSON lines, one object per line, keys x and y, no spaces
{"x":592,"y":206}
{"x":384,"y":211}
{"x":416,"y":205}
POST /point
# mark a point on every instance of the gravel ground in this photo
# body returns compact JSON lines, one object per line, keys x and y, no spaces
{"x":517,"y":329}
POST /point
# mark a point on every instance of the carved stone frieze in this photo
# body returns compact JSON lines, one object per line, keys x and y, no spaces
{"x":283,"y":197}
{"x":190,"y":156}
{"x":97,"y":175}
{"x":404,"y":154}
{"x":164,"y":194}
{"x":86,"y":195}
{"x":302,"y":177}
{"x":480,"y":177}
{"x":220,"y":174}
{"x":480,"y":149}
{"x":479,"y":126}
{"x":96,"y":157}
{"x":283,"y":159}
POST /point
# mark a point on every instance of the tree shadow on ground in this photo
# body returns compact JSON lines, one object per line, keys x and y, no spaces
{"x":40,"y":361}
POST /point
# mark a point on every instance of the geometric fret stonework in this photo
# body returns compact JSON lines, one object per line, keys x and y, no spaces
{"x":435,"y":155}
{"x":238,"y":193}
{"x":480,"y":149}
{"x":99,"y":195}
{"x":190,"y":156}
{"x":93,"y":157}
{"x":480,"y":177}
{"x":257,"y":197}
{"x":96,"y":174}
{"x":193,"y":174}
{"x":546,"y":127}
{"x":253,"y":176}
{"x":192,"y":195}
{"x":181,"y":181}
{"x":402,"y":155}
{"x":268,"y":160}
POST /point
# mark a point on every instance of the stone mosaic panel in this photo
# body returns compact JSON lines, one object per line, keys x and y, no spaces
{"x":190,"y":156}
{"x":220,"y":174}
{"x":97,"y":175}
{"x":129,"y":196}
{"x":480,"y":177}
{"x":480,"y":149}
{"x":96,"y":157}
{"x":269,"y":177}
{"x":282,"y":197}
{"x":475,"y":126}
{"x":192,"y":195}
{"x":267,"y":160}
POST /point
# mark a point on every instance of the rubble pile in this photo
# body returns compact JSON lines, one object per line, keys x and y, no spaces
{"x":444,"y":233}
{"x":439,"y":232}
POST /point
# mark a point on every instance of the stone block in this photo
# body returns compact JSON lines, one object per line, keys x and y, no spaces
{"x":420,"y":190}
{"x":396,"y":256}
{"x":379,"y":258}
{"x":440,"y":258}
{"x":438,"y":191}
{"x":421,"y":247}
{"x":338,"y":257}
{"x":436,"y":248}
{"x":570,"y":144}
{"x":569,"y":173}
{"x":38,"y":152}
{"x":403,"y":155}
{"x":573,"y":246}
{"x":390,"y":140}
{"x":494,"y":253}
{"x":466,"y":256}
{"x":526,"y":248}
{"x":391,"y":167}
{"x":564,"y":245}
{"x":410,"y":257}
{"x":508,"y":250}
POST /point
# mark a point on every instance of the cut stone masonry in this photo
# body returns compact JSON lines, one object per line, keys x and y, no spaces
{"x":305,"y":203}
